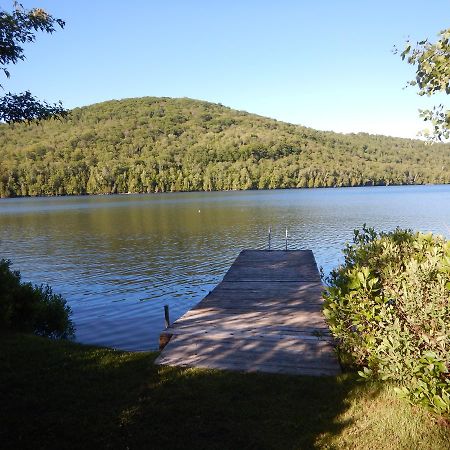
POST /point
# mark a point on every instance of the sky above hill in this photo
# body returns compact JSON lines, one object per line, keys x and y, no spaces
{"x":327,"y":65}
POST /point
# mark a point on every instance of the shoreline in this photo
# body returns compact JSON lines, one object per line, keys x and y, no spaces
{"x":224,"y":190}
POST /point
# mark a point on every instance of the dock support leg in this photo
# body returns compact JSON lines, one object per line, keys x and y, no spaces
{"x":166,"y":316}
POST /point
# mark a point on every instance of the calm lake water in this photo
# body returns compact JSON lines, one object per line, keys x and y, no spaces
{"x":119,"y":259}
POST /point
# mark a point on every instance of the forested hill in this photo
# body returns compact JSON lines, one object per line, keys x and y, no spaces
{"x":164,"y":144}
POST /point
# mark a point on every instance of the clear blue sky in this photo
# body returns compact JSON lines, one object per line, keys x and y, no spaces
{"x":324,"y":64}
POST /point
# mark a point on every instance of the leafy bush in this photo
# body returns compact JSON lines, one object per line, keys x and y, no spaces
{"x":388,"y":306}
{"x":28,"y":308}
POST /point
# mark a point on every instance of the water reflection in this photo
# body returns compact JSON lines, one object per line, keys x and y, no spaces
{"x":119,"y":259}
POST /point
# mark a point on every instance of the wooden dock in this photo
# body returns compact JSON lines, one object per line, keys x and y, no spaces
{"x":264,"y":316}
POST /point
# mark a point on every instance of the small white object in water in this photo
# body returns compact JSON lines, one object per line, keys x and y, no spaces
{"x":198,"y":210}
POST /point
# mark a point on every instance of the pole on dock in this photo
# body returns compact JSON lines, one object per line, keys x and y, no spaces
{"x":286,"y":238}
{"x":270,"y":235}
{"x":166,"y":316}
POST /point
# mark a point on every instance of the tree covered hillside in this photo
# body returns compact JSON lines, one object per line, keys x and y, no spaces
{"x":163,"y":144}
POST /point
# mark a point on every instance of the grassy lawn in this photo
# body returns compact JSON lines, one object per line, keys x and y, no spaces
{"x":64,"y":395}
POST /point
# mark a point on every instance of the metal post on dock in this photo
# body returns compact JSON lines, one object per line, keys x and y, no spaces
{"x":166,"y":316}
{"x":270,"y":235}
{"x":286,"y":238}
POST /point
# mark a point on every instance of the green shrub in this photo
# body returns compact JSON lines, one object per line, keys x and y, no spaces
{"x":28,"y":308}
{"x":388,"y":306}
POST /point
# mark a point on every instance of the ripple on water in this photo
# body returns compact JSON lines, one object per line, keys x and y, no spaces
{"x":118,"y":260}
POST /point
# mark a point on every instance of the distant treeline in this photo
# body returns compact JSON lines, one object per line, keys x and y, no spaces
{"x":163,"y":144}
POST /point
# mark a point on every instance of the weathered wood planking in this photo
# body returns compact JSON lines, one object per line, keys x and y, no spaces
{"x":273,"y":266}
{"x":264,"y":316}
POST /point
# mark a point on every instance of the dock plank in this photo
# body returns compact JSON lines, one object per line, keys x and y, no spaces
{"x":264,"y":316}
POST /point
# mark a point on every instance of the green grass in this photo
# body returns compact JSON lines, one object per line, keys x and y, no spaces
{"x":64,"y":395}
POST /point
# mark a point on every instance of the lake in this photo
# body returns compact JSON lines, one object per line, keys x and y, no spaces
{"x":119,"y":259}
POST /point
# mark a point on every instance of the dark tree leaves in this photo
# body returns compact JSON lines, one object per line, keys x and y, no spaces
{"x":20,"y":27}
{"x":24,"y":107}
{"x":17,"y":28}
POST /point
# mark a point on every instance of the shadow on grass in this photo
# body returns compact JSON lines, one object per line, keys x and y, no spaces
{"x":63,"y":395}
{"x":214,"y":409}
